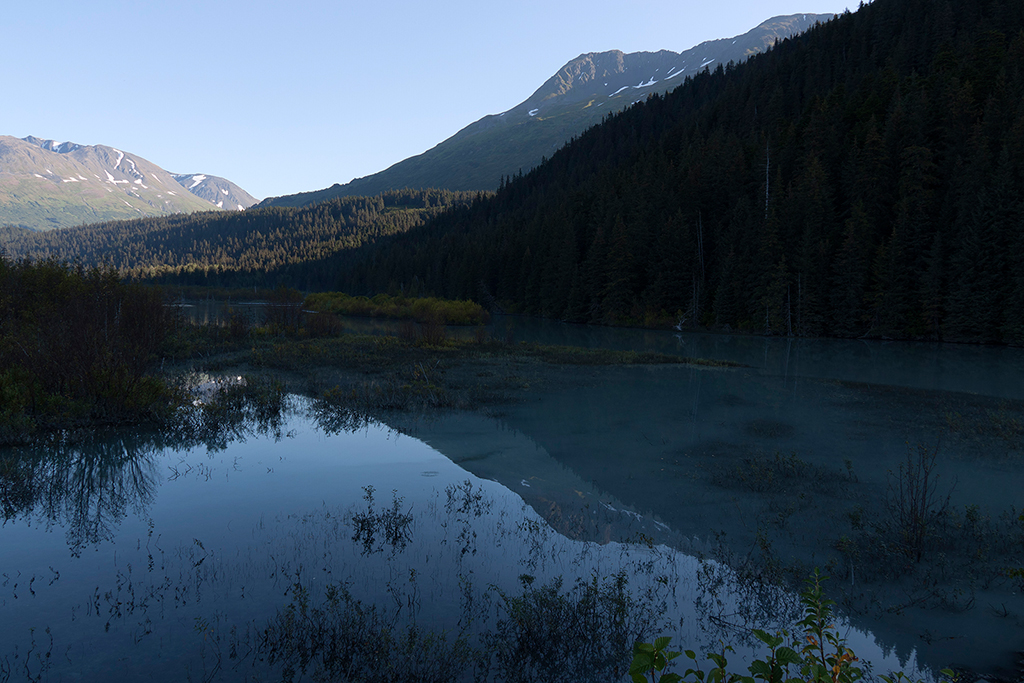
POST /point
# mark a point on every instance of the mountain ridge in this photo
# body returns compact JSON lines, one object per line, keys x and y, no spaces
{"x":860,"y":180}
{"x":577,"y":96}
{"x":45,"y":184}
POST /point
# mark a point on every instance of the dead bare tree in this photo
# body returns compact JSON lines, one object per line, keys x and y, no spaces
{"x":914,"y":501}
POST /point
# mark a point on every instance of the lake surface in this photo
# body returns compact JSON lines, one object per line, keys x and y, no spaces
{"x":145,"y":559}
{"x":145,"y":562}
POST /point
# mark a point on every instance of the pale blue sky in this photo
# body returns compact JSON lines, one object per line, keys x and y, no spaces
{"x":284,"y":96}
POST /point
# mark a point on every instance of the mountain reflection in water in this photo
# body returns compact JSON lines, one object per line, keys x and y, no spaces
{"x":196,"y":561}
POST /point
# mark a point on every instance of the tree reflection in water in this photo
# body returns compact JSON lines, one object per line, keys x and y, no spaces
{"x":88,"y":482}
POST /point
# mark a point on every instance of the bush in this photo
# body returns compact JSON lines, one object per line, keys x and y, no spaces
{"x":322,"y":324}
{"x":76,"y":344}
{"x":914,"y":502}
{"x":817,"y":654}
{"x":423,"y":310}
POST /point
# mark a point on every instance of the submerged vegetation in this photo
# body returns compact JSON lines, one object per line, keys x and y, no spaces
{"x":80,"y":348}
{"x":98,"y":365}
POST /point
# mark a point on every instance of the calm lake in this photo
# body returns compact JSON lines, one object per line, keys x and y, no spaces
{"x":673,"y":496}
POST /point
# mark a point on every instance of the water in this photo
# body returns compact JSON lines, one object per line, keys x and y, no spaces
{"x":139,"y":559}
{"x":153,"y":560}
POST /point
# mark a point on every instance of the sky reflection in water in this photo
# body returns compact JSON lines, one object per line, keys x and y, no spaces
{"x":138,"y":561}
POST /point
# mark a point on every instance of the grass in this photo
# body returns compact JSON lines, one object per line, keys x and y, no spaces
{"x":419,"y":369}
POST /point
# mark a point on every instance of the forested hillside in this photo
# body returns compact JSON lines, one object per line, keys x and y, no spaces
{"x":575,"y":98}
{"x":257,"y":247}
{"x":861,"y":179}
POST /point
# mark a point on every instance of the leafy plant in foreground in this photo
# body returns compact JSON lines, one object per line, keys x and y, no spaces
{"x":819,"y":656}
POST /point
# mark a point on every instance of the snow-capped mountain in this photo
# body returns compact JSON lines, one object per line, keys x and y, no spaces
{"x":46,"y":184}
{"x":574,"y":99}
{"x":615,"y":79}
{"x":222,"y":193}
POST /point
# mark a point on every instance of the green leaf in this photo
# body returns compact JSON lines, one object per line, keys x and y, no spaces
{"x":642,"y":662}
{"x":719,"y":660}
{"x":662,"y":643}
{"x":759,"y":667}
{"x":785,"y":656}
{"x":671,"y":678}
{"x":691,"y":654}
{"x":643,"y":647}
{"x":767,"y":638}
{"x":637,"y":678}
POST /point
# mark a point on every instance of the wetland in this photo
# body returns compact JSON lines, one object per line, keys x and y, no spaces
{"x":479,"y":497}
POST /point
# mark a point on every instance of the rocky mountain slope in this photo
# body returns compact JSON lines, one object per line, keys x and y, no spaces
{"x":577,"y":97}
{"x":45,"y":184}
{"x":220,"y":192}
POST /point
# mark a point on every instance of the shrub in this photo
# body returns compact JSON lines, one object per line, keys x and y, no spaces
{"x":322,"y":324}
{"x":423,"y":310}
{"x":914,"y":502}
{"x":77,"y":344}
{"x":817,"y":654}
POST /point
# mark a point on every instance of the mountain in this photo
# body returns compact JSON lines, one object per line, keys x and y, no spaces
{"x":860,"y":179}
{"x":222,"y":193}
{"x":45,"y":184}
{"x":577,"y":97}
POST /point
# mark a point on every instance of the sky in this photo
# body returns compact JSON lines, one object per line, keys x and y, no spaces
{"x":285,"y":96}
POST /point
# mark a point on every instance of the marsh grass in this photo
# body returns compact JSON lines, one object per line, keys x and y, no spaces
{"x":988,"y":431}
{"x":546,"y":630}
{"x":342,"y":639}
{"x":761,"y":472}
{"x":416,"y":370}
{"x":425,"y":310}
{"x":532,"y":635}
{"x":901,"y":544}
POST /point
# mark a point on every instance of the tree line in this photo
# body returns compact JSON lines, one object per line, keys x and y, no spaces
{"x":860,"y":179}
{"x":238,"y":249}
